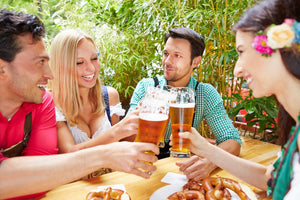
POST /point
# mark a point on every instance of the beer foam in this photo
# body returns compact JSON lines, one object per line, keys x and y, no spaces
{"x":153,"y":117}
{"x":183,"y":105}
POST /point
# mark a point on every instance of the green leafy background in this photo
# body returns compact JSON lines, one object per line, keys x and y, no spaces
{"x":129,"y":35}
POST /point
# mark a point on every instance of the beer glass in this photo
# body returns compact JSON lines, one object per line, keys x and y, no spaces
{"x":153,"y":116}
{"x":162,"y":136}
{"x":182,"y":106}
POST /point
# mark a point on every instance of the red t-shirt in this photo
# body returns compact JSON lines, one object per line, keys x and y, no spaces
{"x":43,"y":136}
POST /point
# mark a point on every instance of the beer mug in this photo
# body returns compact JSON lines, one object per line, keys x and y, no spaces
{"x":153,"y":116}
{"x":182,"y":106}
{"x":162,"y":136}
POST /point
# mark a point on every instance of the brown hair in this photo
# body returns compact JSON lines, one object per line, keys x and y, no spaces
{"x":196,"y":40}
{"x":261,"y":16}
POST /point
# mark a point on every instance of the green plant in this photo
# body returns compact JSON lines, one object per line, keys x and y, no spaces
{"x":130,"y":33}
{"x":261,"y":112}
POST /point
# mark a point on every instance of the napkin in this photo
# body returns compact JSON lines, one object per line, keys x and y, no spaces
{"x":174,"y":178}
{"x":118,"y":186}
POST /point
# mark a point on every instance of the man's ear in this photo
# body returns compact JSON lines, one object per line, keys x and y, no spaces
{"x":196,"y":61}
{"x":3,"y":65}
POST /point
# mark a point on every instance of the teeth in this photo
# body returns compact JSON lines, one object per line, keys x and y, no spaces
{"x":41,"y":86}
{"x":249,"y":80}
{"x":89,"y":77}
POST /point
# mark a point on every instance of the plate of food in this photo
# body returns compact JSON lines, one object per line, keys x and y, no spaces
{"x":108,"y":192}
{"x":213,"y":186}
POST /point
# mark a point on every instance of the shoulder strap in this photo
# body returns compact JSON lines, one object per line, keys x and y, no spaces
{"x":27,"y":128}
{"x":156,"y":83}
{"x":106,"y":101}
{"x":17,"y":149}
{"x":196,"y":86}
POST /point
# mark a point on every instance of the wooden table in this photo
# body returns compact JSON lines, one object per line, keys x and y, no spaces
{"x":141,"y":189}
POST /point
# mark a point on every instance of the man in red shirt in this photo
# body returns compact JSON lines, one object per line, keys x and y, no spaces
{"x":27,"y":120}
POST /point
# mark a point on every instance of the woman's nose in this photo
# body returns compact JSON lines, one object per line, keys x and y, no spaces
{"x":238,"y":70}
{"x":90,"y":67}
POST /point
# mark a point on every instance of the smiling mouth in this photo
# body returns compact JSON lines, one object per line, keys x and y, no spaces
{"x":41,"y":86}
{"x":249,"y":80}
{"x":89,"y":77}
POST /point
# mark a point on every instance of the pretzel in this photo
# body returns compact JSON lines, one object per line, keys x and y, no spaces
{"x":193,"y":185}
{"x":108,"y":194}
{"x":187,"y":195}
{"x":214,"y":186}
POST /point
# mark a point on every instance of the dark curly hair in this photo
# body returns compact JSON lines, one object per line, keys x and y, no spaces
{"x":261,"y":16}
{"x":195,"y":39}
{"x":14,"y":24}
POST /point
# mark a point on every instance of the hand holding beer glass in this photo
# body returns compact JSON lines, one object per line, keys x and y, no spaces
{"x":181,"y":114}
{"x":153,"y":116}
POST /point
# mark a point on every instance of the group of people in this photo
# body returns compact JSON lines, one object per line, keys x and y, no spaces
{"x":59,"y":124}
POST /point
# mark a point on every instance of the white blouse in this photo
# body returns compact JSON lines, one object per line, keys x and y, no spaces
{"x":80,"y":136}
{"x":294,"y":192}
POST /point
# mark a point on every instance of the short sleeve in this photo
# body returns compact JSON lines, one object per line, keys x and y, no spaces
{"x":2,"y":157}
{"x":139,"y":92}
{"x":217,"y":117}
{"x":117,"y":109}
{"x":59,"y":115}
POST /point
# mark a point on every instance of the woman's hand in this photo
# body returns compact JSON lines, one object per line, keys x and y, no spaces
{"x":127,"y":128}
{"x":198,"y":144}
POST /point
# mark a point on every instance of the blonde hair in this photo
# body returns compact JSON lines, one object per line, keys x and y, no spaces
{"x":64,"y":86}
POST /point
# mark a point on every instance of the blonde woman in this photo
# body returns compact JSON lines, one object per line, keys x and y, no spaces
{"x":82,"y":120}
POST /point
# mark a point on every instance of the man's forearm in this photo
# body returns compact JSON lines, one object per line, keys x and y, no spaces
{"x":30,"y":174}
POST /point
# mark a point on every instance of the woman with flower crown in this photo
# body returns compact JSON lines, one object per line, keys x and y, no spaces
{"x":268,"y":45}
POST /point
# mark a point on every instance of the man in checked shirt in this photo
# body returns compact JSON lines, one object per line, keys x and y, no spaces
{"x":181,"y":55}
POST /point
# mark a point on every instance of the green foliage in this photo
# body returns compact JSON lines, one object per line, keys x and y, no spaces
{"x":130,"y":34}
{"x":260,"y":111}
{"x":134,"y":30}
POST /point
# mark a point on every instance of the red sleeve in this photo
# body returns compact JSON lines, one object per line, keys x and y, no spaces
{"x":43,"y":136}
{"x":2,"y":157}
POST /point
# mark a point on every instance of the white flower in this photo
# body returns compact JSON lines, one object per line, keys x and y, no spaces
{"x":280,"y":36}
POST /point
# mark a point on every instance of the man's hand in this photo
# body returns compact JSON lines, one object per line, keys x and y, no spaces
{"x":130,"y":157}
{"x":196,"y":168}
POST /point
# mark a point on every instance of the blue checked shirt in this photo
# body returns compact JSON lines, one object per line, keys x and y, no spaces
{"x":209,"y":107}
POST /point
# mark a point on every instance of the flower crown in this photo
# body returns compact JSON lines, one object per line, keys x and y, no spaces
{"x":278,"y":36}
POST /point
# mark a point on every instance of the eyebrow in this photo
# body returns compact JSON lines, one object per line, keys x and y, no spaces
{"x":179,"y":52}
{"x":239,"y":46}
{"x":41,"y":57}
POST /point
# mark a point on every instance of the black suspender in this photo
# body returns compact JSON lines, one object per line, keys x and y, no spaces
{"x":17,"y":149}
{"x":156,"y":83}
{"x":106,"y":101}
{"x":195,"y":102}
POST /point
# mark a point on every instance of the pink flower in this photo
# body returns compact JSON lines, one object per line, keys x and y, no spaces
{"x":260,"y":45}
{"x":289,"y":21}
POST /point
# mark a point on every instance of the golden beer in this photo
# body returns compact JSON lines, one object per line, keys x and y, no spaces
{"x":152,"y":127}
{"x":181,"y":121}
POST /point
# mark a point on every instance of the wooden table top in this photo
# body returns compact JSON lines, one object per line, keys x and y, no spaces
{"x":141,"y":189}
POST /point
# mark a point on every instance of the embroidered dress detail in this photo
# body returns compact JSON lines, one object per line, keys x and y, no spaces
{"x":294,"y":192}
{"x":279,"y":183}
